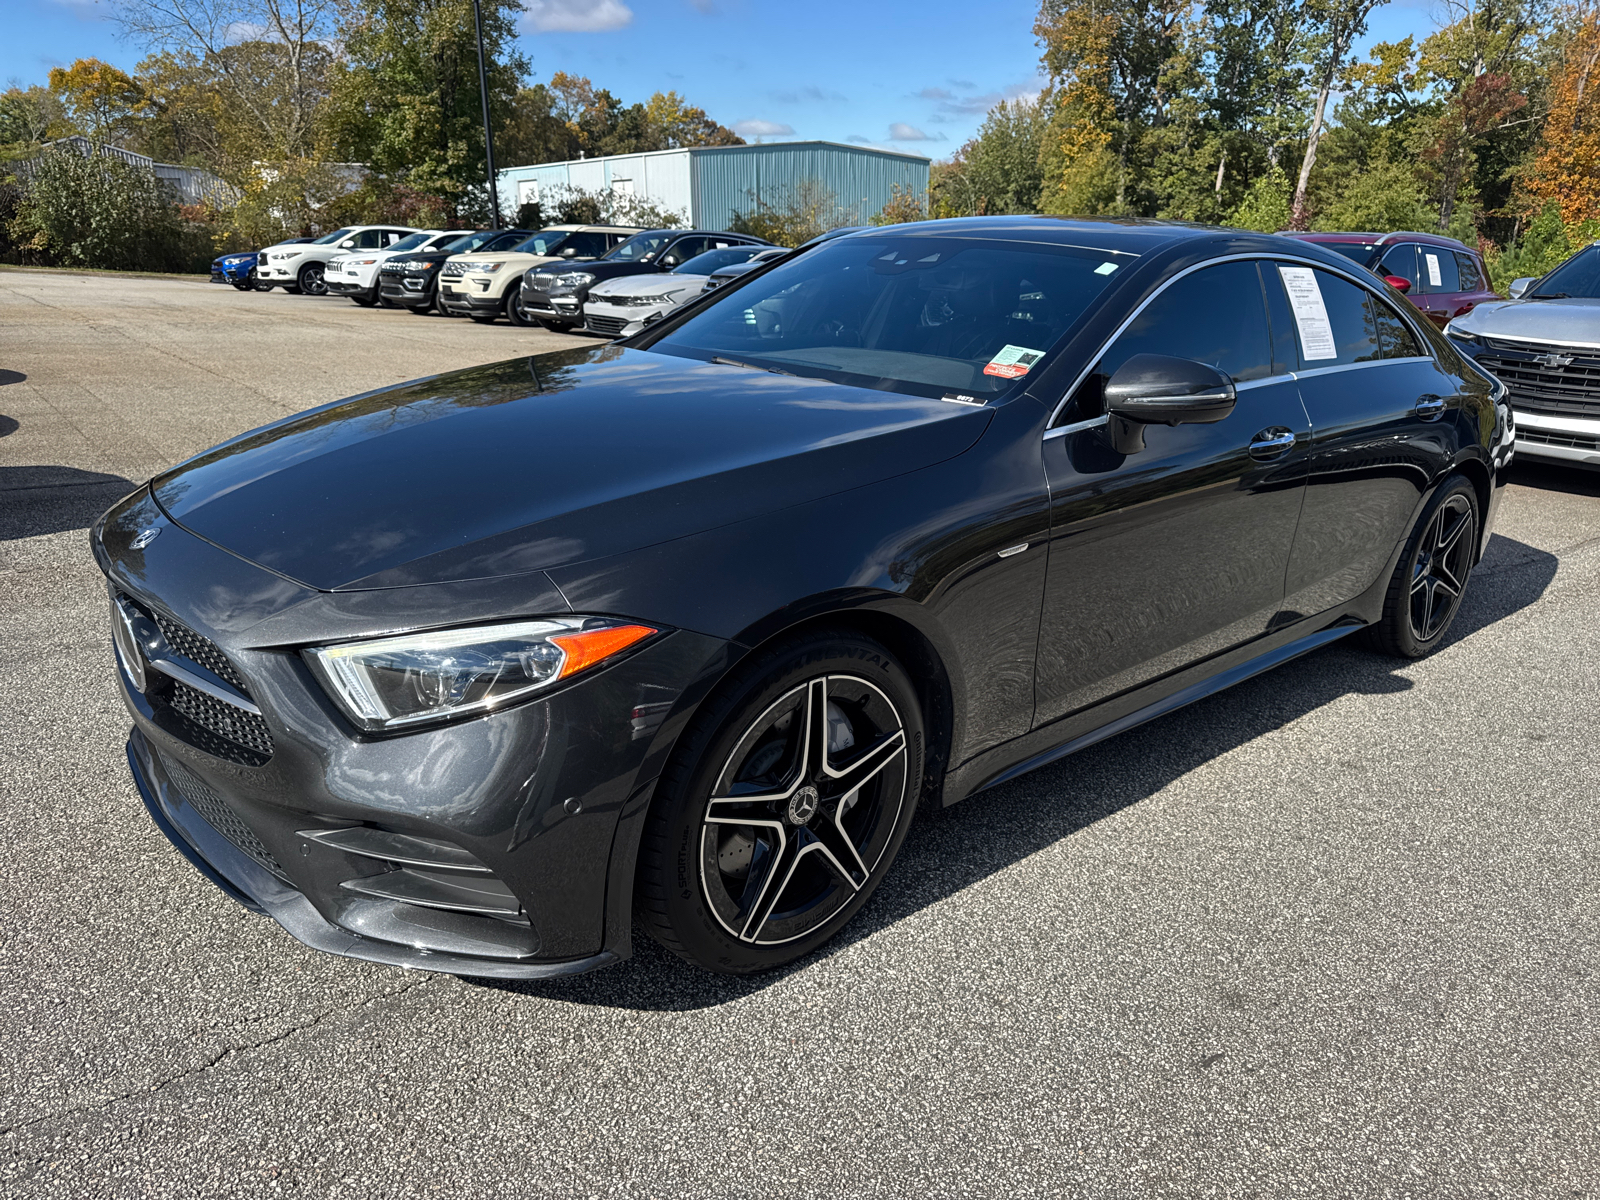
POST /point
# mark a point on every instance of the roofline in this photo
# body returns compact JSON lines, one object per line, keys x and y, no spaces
{"x":570,"y":162}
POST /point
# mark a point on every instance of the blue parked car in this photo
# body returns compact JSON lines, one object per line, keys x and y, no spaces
{"x":239,"y":268}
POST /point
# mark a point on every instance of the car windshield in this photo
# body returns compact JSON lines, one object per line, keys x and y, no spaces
{"x":1578,"y":276}
{"x":413,"y":241}
{"x":544,"y":243}
{"x":329,"y":239}
{"x":1358,"y":252}
{"x":497,"y":241}
{"x":714,"y":260}
{"x":641,"y":247}
{"x":918,"y":314}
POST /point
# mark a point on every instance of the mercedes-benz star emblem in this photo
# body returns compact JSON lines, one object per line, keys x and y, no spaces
{"x":144,"y":537}
{"x":803,"y":805}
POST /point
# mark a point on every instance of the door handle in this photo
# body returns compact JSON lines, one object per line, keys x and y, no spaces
{"x":1271,"y":443}
{"x":1430,"y":408}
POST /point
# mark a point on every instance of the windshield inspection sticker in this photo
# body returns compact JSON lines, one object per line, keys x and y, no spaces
{"x":1013,"y":362}
{"x":1105,"y":268}
{"x":1434,"y":278}
{"x":1310,"y":314}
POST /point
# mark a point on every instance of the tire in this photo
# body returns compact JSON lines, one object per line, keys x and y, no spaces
{"x":739,"y":896}
{"x":292,"y":289}
{"x":311,"y":281}
{"x":557,"y":326}
{"x":489,"y":318}
{"x":515,"y":313}
{"x":246,"y":286}
{"x":1431,"y":578}
{"x":364,"y":301}
{"x":421,"y":310}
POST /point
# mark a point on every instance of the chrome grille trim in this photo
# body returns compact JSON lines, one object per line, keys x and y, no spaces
{"x":186,"y":642}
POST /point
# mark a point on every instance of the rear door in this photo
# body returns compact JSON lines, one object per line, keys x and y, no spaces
{"x":1441,"y":284}
{"x":1168,"y":556}
{"x":1474,"y":282}
{"x":1376,"y":400}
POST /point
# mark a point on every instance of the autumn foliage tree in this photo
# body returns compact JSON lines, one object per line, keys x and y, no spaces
{"x":1566,"y":170}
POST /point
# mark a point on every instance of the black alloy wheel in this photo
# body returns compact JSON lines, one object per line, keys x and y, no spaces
{"x":311,"y":280}
{"x":792,"y":809}
{"x":1428,"y":584}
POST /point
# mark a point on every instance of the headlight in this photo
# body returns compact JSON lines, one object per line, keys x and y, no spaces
{"x":289,"y":255}
{"x":395,"y":682}
{"x":422,"y":266}
{"x":486,"y":266}
{"x":575,"y":279}
{"x":360,"y":262}
{"x":1461,"y":335}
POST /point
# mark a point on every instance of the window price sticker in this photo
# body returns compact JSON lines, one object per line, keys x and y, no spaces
{"x":1310,"y":314}
{"x":1434,"y":278}
{"x":1013,"y":362}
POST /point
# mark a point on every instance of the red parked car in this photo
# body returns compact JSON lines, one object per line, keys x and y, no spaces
{"x":1441,"y":276}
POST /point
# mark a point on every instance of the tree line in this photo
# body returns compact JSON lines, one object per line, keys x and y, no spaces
{"x":324,"y":112}
{"x":1260,"y":114}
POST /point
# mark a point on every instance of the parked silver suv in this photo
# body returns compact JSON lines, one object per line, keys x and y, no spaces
{"x":1544,"y":345}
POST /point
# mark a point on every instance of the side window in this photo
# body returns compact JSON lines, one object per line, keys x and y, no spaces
{"x":1335,"y":319}
{"x":686,"y":248}
{"x":368,"y":239}
{"x":1439,"y":272}
{"x":1471,"y":277}
{"x":1394,"y":335}
{"x":1401,"y":261}
{"x":1215,"y":316}
{"x":586,"y":245}
{"x":1285,"y":341}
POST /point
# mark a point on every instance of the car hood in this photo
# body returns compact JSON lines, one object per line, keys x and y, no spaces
{"x":523,"y":258}
{"x":1575,"y":321}
{"x":655,"y":285}
{"x":535,"y":463}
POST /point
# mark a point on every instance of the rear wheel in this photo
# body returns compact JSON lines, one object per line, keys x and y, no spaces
{"x":518,"y":315}
{"x":784,"y":806}
{"x":1431,"y":578}
{"x":311,"y":280}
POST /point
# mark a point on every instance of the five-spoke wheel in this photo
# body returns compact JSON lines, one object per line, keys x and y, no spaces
{"x":1425,"y":592}
{"x":785,"y":804}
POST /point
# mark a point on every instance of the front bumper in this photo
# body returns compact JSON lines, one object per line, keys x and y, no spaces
{"x":1573,"y":440}
{"x":409,"y":291}
{"x":548,"y":797}
{"x":618,"y":321}
{"x":554,"y":306}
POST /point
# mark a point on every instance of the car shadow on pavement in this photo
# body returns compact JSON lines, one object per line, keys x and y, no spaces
{"x":1553,"y":477}
{"x":35,"y":500}
{"x":953,"y":849}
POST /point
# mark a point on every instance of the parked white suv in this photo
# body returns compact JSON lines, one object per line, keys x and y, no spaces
{"x":484,"y":285}
{"x":302,"y":266}
{"x":356,"y":274}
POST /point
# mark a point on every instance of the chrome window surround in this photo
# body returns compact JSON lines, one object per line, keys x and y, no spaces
{"x":1052,"y":430}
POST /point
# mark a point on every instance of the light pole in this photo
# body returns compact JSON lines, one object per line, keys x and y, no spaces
{"x":488,"y":133}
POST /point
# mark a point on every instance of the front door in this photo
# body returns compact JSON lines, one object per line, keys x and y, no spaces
{"x":1164,"y":557}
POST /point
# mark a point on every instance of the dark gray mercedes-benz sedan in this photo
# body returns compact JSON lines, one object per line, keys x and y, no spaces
{"x":478,"y":672}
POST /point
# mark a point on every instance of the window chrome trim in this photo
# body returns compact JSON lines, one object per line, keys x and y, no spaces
{"x":1077,"y":427}
{"x":1357,"y":366}
{"x":1254,"y":256}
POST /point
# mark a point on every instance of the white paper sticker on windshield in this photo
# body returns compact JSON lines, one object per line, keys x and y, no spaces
{"x":1013,"y":362}
{"x":1434,"y":278}
{"x":1310,"y":314}
{"x":1106,"y":268}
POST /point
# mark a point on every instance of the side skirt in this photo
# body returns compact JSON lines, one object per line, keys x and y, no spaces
{"x":1002,"y":764}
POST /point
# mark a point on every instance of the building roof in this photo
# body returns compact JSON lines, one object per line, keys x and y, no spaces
{"x":714,"y":150}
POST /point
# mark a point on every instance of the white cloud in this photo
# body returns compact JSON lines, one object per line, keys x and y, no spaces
{"x":578,"y":16}
{"x":901,"y":132}
{"x":762,"y":129}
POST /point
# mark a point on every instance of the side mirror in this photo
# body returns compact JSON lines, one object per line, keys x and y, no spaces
{"x":1519,"y":286}
{"x":570,"y":252}
{"x":1398,"y":282}
{"x":671,"y":260}
{"x":347,"y":244}
{"x":1153,"y":389}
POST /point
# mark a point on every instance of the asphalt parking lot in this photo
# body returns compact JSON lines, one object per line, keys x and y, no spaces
{"x":1332,"y":933}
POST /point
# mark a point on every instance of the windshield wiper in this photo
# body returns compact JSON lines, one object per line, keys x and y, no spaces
{"x":734,"y":362}
{"x":1549,"y":296}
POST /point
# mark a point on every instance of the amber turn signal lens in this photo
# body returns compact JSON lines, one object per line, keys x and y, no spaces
{"x":589,"y":646}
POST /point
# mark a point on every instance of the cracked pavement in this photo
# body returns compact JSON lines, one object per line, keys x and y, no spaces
{"x":1331,"y":933}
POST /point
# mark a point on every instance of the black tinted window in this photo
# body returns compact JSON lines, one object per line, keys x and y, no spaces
{"x":1285,"y":341}
{"x":1578,"y":276}
{"x":1438,"y":269}
{"x":1471,"y":277}
{"x":1215,"y":316}
{"x":1394,"y":335}
{"x":686,"y":248}
{"x":1401,"y":261}
{"x":1333,"y":318}
{"x":919,"y":314}
{"x":1356,"y":252}
{"x":585,"y":245}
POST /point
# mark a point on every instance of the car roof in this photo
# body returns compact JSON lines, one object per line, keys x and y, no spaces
{"x":1407,"y":235}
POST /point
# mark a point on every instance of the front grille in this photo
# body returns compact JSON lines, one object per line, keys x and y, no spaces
{"x":541,"y":283}
{"x":1570,"y":388}
{"x":199,"y":650}
{"x":216,"y":813}
{"x":221,"y":718}
{"x":453,"y":269}
{"x":1570,"y":441}
{"x":610,"y":326}
{"x":392,"y":268}
{"x":261,"y":259}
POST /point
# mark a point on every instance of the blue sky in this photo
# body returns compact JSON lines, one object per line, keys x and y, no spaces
{"x":914,"y":77}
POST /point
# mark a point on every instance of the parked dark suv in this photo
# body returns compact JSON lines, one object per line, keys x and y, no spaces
{"x":413,"y":281}
{"x":554,"y":293}
{"x":1442,"y":277}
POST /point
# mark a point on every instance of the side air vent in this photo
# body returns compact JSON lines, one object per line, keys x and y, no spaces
{"x":403,"y":848}
{"x":481,"y":894}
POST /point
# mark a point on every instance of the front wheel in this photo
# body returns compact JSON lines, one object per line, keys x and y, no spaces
{"x":365,"y":301}
{"x":1428,"y":584}
{"x":311,"y":281}
{"x":557,"y":326}
{"x":784,"y":805}
{"x":518,"y":315}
